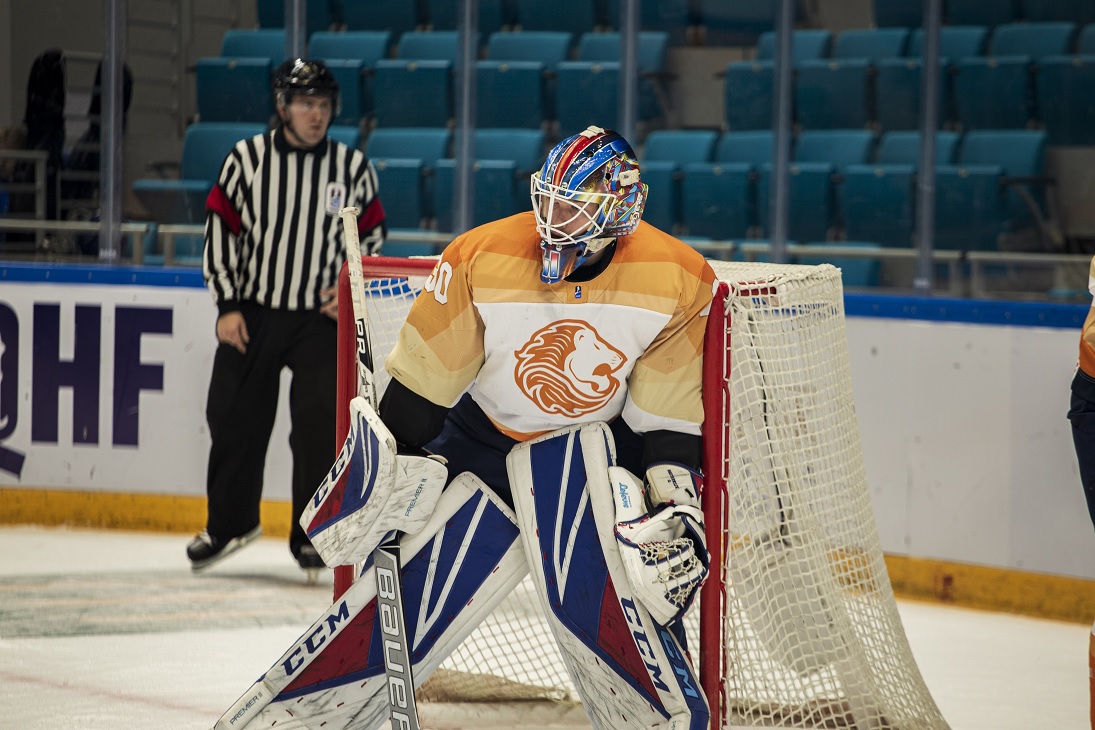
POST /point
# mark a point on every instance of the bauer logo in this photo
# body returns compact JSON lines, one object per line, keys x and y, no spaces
{"x":11,"y":461}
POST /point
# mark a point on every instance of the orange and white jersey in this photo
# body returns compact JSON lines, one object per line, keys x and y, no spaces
{"x":537,"y":357}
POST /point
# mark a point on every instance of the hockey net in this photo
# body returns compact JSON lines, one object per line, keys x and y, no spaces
{"x":797,"y":627}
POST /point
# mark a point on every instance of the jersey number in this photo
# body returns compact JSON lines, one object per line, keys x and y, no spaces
{"x":439,"y":280}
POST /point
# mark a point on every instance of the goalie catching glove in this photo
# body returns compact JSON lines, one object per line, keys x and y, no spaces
{"x":664,"y":550}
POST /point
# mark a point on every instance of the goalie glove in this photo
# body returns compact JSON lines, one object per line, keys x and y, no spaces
{"x":664,"y":553}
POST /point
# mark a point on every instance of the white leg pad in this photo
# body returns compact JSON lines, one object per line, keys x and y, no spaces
{"x":630,"y":671}
{"x":464,"y":562}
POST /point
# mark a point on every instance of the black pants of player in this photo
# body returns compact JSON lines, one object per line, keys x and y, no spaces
{"x":1082,"y":415}
{"x":243,"y":399}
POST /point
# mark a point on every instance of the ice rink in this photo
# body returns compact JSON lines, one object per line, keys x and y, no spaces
{"x":101,"y":630}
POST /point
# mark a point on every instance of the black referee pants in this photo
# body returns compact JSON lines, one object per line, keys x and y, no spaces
{"x":242,"y":404}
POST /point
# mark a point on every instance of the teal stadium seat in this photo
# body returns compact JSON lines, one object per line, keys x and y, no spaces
{"x":570,"y":16}
{"x":205,"y":145}
{"x":493,"y":182}
{"x":549,"y":47}
{"x":818,"y":156}
{"x":405,"y":159}
{"x":586,"y":92}
{"x":349,"y":135}
{"x":434,"y":45}
{"x":672,"y":17}
{"x":718,"y":198}
{"x":255,"y":43}
{"x":833,"y":93}
{"x":995,"y":92}
{"x":955,"y":41}
{"x":512,"y":92}
{"x":410,"y":93}
{"x":898,"y":94}
{"x":526,"y":148}
{"x":806,"y":45}
{"x":871,"y":43}
{"x":878,"y":199}
{"x":652,"y":54}
{"x":664,"y":155}
{"x":1066,"y":99}
{"x":747,"y":95}
{"x":973,"y":206}
{"x":493,"y":15}
{"x":234,"y":89}
{"x":395,"y":16}
{"x":733,"y":22}
{"x":359,"y":50}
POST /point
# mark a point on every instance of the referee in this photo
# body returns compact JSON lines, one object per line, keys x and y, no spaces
{"x":273,"y":251}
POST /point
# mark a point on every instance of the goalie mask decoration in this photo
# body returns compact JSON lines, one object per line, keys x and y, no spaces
{"x":587,"y":193}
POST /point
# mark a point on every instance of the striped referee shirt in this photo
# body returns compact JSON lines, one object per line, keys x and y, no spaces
{"x":272,"y":231}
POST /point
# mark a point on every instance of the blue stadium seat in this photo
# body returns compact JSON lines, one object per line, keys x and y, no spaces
{"x":808,"y":44}
{"x":395,"y":16}
{"x":1032,"y":39}
{"x":1085,"y":42}
{"x":973,"y":207}
{"x":434,"y":45}
{"x":672,"y":17}
{"x":878,"y":200}
{"x":718,"y":199}
{"x":664,"y":155}
{"x":352,"y":103}
{"x":871,"y":43}
{"x":747,"y":95}
{"x":413,"y":93}
{"x":404,"y":160}
{"x":493,"y":15}
{"x":570,"y":16}
{"x":897,"y":93}
{"x":901,"y":13}
{"x":526,"y":147}
{"x":512,"y":94}
{"x":993,"y":92}
{"x":367,"y":46}
{"x":1080,"y":12}
{"x":652,"y":52}
{"x":979,"y":12}
{"x":234,"y":89}
{"x":205,"y":145}
{"x":955,"y":41}
{"x":855,"y":272}
{"x":818,"y":156}
{"x":546,"y":46}
{"x":996,"y":92}
{"x":255,"y":43}
{"x":319,"y":14}
{"x":586,"y":92}
{"x":494,"y":186}
{"x":833,"y":94}
{"x":1066,"y":99}
{"x":733,"y":22}
{"x":349,"y":135}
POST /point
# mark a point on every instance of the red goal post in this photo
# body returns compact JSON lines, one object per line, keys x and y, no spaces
{"x":797,"y":624}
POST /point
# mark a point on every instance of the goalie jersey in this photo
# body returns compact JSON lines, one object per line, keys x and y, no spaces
{"x":537,"y":357}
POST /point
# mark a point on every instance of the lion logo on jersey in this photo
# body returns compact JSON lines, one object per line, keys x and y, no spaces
{"x":568,"y":369}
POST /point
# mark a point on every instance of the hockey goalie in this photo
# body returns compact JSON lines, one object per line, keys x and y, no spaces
{"x":543,"y":416}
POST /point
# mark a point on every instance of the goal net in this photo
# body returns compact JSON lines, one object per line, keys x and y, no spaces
{"x":797,"y":626}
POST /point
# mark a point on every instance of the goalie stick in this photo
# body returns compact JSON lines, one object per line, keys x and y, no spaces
{"x":402,"y":703}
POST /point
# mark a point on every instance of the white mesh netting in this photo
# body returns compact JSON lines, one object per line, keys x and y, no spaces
{"x":809,"y":629}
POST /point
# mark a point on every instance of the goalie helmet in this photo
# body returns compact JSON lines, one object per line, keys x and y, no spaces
{"x":304,"y":76}
{"x":587,"y":193}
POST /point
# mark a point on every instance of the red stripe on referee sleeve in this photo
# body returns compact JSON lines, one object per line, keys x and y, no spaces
{"x":218,"y":203}
{"x":372,"y":217}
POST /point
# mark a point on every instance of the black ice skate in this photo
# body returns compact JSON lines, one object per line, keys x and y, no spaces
{"x":205,"y":550}
{"x":308,"y":559}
